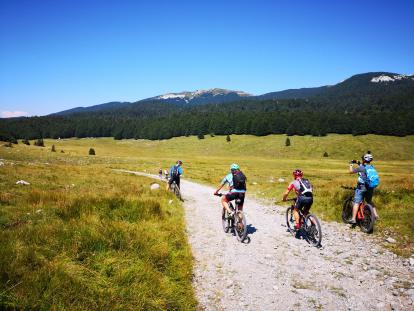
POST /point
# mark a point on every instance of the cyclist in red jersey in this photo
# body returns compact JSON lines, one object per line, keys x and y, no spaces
{"x":304,"y":196}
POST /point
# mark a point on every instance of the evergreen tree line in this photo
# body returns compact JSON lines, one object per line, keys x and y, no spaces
{"x":220,"y":121}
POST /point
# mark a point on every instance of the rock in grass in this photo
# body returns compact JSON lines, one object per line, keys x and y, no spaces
{"x":155,"y":186}
{"x":411,"y":260}
{"x":22,"y":182}
{"x":390,"y":240}
{"x":281,"y":179}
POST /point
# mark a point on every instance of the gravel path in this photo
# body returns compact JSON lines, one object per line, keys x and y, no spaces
{"x":276,"y":271}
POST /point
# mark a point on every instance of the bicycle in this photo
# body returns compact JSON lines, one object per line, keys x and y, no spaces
{"x":236,"y":223}
{"x":309,"y":225}
{"x":365,"y":218}
{"x":176,"y":190}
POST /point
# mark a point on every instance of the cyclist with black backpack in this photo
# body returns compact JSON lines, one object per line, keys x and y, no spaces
{"x":236,"y":181}
{"x":368,"y":180}
{"x":175,"y":172}
{"x":304,"y":195}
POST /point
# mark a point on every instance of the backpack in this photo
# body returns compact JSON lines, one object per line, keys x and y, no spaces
{"x":239,"y":181}
{"x":372,"y":180}
{"x":175,"y":171}
{"x":305,"y":187}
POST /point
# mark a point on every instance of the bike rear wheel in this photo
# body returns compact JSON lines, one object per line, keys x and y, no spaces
{"x":290,"y":220}
{"x":347,"y":210}
{"x":240,"y":226}
{"x":313,"y":230}
{"x":367,"y":224}
{"x":225,"y":221}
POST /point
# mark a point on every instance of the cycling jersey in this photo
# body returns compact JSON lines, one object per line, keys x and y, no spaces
{"x":228,"y":179}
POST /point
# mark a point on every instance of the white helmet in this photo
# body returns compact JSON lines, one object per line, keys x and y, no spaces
{"x":368,"y":157}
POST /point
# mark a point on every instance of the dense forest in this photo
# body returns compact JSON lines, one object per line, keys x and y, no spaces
{"x":355,"y":106}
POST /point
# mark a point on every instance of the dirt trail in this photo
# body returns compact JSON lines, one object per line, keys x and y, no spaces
{"x":276,"y":271}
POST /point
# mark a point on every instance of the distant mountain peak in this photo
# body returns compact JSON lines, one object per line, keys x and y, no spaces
{"x":186,"y":95}
{"x":390,"y":78}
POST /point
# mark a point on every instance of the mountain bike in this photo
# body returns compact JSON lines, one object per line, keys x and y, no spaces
{"x":174,"y":188}
{"x":365,"y":218}
{"x":235,"y":223}
{"x":309,"y":225}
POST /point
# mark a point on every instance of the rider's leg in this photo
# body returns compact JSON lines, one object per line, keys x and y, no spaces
{"x":296,"y":216}
{"x":359,"y":197}
{"x":368,"y":198}
{"x":225,"y":203}
{"x":169,"y":185}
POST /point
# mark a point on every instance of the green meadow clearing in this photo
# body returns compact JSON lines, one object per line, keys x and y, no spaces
{"x":80,"y":227}
{"x":81,"y":237}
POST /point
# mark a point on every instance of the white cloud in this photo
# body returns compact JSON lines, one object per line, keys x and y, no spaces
{"x":12,"y":114}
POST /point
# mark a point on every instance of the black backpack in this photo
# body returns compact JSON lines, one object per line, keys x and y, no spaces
{"x":239,"y":180}
{"x":306,"y":188}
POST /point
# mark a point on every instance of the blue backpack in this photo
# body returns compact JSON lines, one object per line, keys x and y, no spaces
{"x":372,"y":176}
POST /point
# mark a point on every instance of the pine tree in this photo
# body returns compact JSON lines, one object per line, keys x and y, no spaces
{"x":325,"y":154}
{"x":91,"y":151}
{"x":53,"y":148}
{"x":228,"y":139}
{"x":287,"y":142}
{"x":200,"y":136}
{"x":39,"y":142}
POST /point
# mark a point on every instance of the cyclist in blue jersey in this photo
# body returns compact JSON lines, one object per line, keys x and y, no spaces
{"x":175,"y":172}
{"x":236,"y":181}
{"x":362,"y":191}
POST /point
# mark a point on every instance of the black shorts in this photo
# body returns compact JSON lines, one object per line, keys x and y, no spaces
{"x":304,"y":203}
{"x":235,"y":195}
{"x":176,"y":179}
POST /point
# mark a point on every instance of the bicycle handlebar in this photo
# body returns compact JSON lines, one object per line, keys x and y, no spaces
{"x":219,"y":194}
{"x":348,"y":188}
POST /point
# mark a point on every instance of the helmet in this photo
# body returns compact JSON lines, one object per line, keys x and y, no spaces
{"x":368,"y":157}
{"x":179,"y":162}
{"x":297,"y":173}
{"x":234,"y":166}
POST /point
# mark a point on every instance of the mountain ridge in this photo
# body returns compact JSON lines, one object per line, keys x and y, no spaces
{"x":371,"y":81}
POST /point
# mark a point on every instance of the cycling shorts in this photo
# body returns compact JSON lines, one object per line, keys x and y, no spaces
{"x":304,"y":203}
{"x":235,"y":195}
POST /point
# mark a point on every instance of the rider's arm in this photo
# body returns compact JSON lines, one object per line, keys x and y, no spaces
{"x":286,"y":194}
{"x":219,"y":188}
{"x":351,"y":168}
{"x":223,"y":182}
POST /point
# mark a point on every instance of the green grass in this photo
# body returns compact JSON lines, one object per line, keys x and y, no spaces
{"x":265,"y":160}
{"x":108,"y":242}
{"x":81,"y":237}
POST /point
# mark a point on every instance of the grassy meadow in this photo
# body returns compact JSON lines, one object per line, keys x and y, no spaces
{"x":82,"y":236}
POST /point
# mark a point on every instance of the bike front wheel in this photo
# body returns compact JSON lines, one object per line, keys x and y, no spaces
{"x":347,"y":210}
{"x":240,"y":226}
{"x":177,"y":192}
{"x":367,"y":223}
{"x":225,"y":221}
{"x":313,"y":230}
{"x":290,"y":220}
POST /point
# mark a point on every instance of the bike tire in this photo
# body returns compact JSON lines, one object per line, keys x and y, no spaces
{"x":290,"y":220}
{"x":240,"y":226}
{"x":225,"y":221}
{"x":313,"y":230}
{"x":347,"y":210}
{"x":177,"y":192}
{"x":367,"y":224}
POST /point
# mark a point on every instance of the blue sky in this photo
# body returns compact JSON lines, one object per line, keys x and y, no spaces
{"x":56,"y":55}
